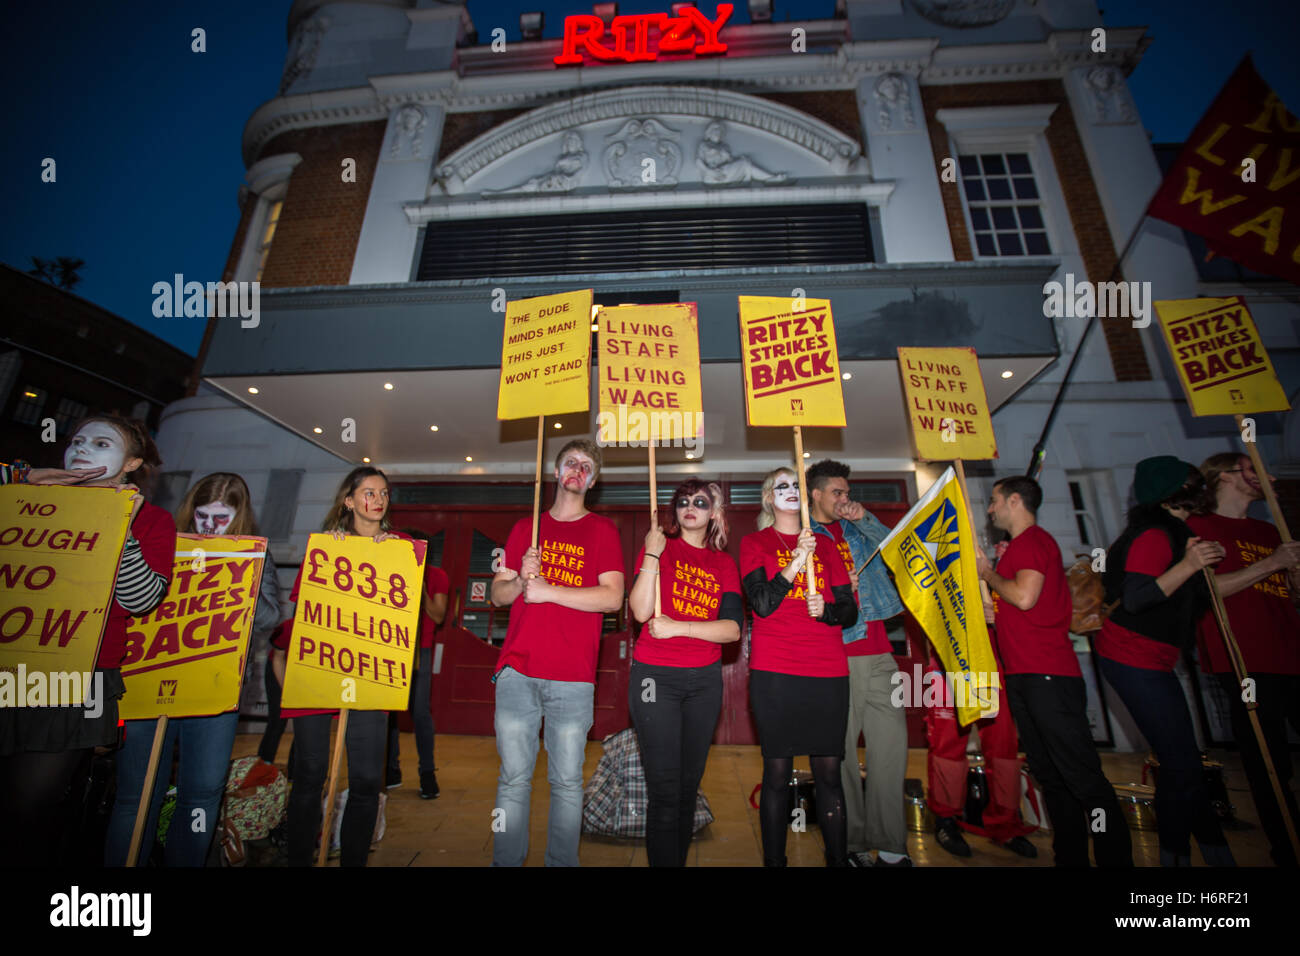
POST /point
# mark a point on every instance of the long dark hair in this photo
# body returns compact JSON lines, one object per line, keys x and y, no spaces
{"x":715,"y":535}
{"x":340,"y":516}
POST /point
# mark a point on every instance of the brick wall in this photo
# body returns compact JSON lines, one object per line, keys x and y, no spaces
{"x":1127,"y":356}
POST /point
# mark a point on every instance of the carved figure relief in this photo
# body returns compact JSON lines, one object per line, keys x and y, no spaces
{"x":408,"y":130}
{"x":1107,"y":93}
{"x":963,"y":13}
{"x":641,"y":153}
{"x":894,"y":101}
{"x":560,"y":178}
{"x":720,"y":167}
{"x":303,"y":51}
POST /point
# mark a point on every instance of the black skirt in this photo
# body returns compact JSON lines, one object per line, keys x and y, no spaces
{"x":56,"y":729}
{"x":799,"y":715}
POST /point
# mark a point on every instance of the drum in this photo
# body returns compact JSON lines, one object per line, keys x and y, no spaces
{"x":1138,"y":805}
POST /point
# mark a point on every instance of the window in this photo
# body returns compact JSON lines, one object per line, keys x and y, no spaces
{"x":479,"y":616}
{"x":1002,"y":197}
{"x":68,"y":411}
{"x":27,"y":410}
{"x":264,"y":249}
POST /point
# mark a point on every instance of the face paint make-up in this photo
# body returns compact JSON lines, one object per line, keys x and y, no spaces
{"x":96,"y":445}
{"x":213,"y":518}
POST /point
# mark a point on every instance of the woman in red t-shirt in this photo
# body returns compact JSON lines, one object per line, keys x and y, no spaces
{"x":43,"y":748}
{"x":1154,"y":571}
{"x":675,"y":692}
{"x":798,"y":671}
{"x":360,"y":508}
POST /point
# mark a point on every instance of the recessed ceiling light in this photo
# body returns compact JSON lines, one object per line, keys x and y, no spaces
{"x":366,"y":460}
{"x":807,"y":454}
{"x":317,"y":430}
{"x":469,"y":458}
{"x":558,"y":425}
{"x":388,"y":386}
{"x":433,"y":428}
{"x":846,"y":376}
{"x":690,"y":456}
{"x":252,"y":390}
{"x":1007,"y":373}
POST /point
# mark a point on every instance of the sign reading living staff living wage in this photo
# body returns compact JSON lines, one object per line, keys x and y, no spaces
{"x":185,"y":658}
{"x":791,"y":367}
{"x":649,"y":373}
{"x":1221,"y":361}
{"x":59,"y":552}
{"x":946,"y":407}
{"x":546,"y":356}
{"x":356,"y":625}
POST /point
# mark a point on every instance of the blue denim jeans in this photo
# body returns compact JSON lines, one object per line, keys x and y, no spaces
{"x":206,"y":743}
{"x":522,"y":703}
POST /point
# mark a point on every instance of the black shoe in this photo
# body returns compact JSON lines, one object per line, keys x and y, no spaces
{"x":428,"y":786}
{"x":394,"y":779}
{"x":905,"y":861}
{"x":859,"y":859}
{"x":1019,"y":846}
{"x":948,"y":833}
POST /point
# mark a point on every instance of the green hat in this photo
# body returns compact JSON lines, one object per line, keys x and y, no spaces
{"x":1159,"y":478}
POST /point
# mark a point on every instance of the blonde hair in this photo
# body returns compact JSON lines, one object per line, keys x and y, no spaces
{"x":1214,"y":467}
{"x":767,"y":517}
{"x":230,"y":490}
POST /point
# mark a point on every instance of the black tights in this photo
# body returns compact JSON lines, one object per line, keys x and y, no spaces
{"x":38,"y":808}
{"x":774,"y":808}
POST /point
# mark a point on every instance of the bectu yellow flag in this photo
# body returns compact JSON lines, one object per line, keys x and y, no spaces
{"x":932,"y":555}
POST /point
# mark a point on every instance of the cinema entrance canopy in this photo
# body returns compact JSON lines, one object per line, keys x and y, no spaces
{"x":397,"y":360}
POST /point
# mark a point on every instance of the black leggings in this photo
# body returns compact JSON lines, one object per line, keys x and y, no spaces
{"x":774,"y":808}
{"x":39,"y":803}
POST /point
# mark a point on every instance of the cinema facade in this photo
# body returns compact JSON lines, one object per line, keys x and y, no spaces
{"x":926,"y":171}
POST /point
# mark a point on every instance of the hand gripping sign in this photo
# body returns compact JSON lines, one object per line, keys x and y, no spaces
{"x":357,"y":624}
{"x":59,"y":552}
{"x":186,"y":657}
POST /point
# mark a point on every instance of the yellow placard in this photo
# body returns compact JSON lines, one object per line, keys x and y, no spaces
{"x":186,"y":657}
{"x":59,"y":552}
{"x":357,"y":624}
{"x":546,"y":356}
{"x":946,"y":406}
{"x":791,"y":364}
{"x":649,"y":373}
{"x":1221,"y":361}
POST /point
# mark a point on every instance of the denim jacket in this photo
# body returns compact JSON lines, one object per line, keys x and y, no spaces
{"x":877,"y":599}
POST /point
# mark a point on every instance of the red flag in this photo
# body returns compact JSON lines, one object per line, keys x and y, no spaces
{"x":1248,"y":212}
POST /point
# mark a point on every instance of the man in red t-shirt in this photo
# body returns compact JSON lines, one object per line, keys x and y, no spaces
{"x":1045,"y":685}
{"x":547,"y":667}
{"x":1259,"y":581}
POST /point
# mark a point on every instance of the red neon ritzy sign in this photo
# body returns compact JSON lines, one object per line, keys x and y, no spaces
{"x":690,"y":32}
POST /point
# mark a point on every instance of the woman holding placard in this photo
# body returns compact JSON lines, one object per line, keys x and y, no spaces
{"x":43,"y":748}
{"x":360,"y":508}
{"x":218,"y":505}
{"x":675,"y":691}
{"x":798,"y":672}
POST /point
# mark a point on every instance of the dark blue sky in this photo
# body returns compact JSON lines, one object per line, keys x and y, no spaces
{"x":146,"y":134}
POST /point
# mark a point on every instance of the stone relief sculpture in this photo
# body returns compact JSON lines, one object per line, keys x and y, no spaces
{"x":302,"y":52}
{"x":719,"y":167}
{"x":643,"y":153}
{"x":408,"y":127}
{"x":963,"y":13}
{"x":894,"y":99}
{"x":1110,"y":101}
{"x":560,"y":178}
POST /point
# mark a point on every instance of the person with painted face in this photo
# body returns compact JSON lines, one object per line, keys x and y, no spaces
{"x":678,"y":659}
{"x":44,"y":750}
{"x":1154,"y":571}
{"x":1259,"y":581}
{"x":360,"y":508}
{"x":217,"y":505}
{"x":798,"y":670}
{"x":559,"y":592}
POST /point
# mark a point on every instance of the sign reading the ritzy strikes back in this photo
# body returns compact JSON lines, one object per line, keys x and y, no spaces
{"x":1221,"y":361}
{"x":59,"y":552}
{"x":185,"y":658}
{"x":649,"y":373}
{"x":357,"y":623}
{"x":946,"y":406}
{"x":546,"y":356}
{"x":792,"y":371}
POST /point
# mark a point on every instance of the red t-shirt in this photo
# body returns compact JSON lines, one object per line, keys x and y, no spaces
{"x":283,"y":635}
{"x":788,"y":641}
{"x":692,"y":582}
{"x":435,"y":582}
{"x":1036,"y":641}
{"x":876,"y":640}
{"x":155,"y":529}
{"x":548,"y":641}
{"x":1264,"y":621}
{"x":1150,"y":553}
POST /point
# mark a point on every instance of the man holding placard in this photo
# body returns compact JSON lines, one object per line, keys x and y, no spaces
{"x":560,"y":590}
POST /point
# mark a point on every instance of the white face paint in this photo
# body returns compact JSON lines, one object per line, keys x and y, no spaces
{"x":785,"y":494}
{"x":213,"y":518}
{"x":97,"y":445}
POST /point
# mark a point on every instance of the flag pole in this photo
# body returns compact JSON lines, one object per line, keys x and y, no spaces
{"x":1266,"y":482}
{"x":970,"y":517}
{"x":654,"y":518}
{"x":326,"y":833}
{"x":803,"y":504}
{"x":146,"y":796}
{"x":537,"y":480}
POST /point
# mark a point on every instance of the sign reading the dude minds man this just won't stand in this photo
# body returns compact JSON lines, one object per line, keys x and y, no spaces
{"x":546,"y":356}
